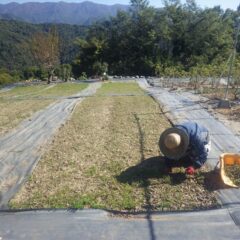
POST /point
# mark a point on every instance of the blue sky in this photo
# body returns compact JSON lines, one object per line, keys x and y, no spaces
{"x":157,"y":3}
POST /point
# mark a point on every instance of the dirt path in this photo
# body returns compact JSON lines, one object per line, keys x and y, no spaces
{"x":210,"y":106}
{"x":21,"y":149}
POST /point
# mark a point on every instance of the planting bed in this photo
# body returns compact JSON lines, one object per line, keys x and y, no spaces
{"x":107,"y":156}
{"x":21,"y":102}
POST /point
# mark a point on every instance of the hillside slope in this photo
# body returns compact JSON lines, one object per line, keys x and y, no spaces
{"x":59,"y":12}
{"x":15,"y":35}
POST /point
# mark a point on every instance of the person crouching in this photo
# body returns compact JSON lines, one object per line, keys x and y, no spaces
{"x":185,"y":145}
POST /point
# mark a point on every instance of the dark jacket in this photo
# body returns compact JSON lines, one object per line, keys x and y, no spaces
{"x":198,"y":138}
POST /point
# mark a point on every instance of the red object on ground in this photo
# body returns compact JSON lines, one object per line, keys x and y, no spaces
{"x":190,"y":170}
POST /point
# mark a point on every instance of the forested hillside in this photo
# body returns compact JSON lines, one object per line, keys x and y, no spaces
{"x":176,"y":40}
{"x":15,"y":38}
{"x":83,"y":13}
{"x":13,"y":35}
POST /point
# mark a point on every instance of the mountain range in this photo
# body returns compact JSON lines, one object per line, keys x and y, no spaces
{"x":59,"y":12}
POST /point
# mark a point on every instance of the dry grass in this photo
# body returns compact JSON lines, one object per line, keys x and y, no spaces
{"x":233,"y":172}
{"x":19,"y":103}
{"x":107,"y":156}
{"x":63,"y":89}
{"x":14,"y":111}
{"x":24,"y":90}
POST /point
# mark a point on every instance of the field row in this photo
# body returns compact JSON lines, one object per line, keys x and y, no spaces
{"x":21,"y":102}
{"x":107,"y":156}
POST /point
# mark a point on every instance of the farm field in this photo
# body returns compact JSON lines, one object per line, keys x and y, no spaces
{"x":107,"y":156}
{"x":21,"y":102}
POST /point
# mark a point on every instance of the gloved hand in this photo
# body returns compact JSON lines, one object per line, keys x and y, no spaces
{"x":190,"y":170}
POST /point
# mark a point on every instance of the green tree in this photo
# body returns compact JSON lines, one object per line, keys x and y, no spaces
{"x":91,"y":51}
{"x":172,"y":40}
{"x":64,"y":72}
{"x":5,"y":78}
{"x":100,"y":68}
{"x":139,"y":5}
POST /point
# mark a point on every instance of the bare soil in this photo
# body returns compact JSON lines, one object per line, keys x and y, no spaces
{"x":217,"y":94}
{"x":229,"y":116}
{"x":107,"y":156}
{"x":232,"y":114}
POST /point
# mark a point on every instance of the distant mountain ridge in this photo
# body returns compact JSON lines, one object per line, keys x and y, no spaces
{"x":83,"y":13}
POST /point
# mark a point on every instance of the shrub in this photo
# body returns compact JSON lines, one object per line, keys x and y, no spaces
{"x":5,"y":78}
{"x":83,"y":76}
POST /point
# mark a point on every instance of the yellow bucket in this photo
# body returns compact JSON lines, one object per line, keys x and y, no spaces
{"x":228,"y":159}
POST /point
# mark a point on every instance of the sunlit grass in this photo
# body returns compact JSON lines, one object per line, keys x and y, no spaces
{"x":23,"y":90}
{"x":107,"y":156}
{"x":21,"y":102}
{"x":120,"y":88}
{"x":64,"y":89}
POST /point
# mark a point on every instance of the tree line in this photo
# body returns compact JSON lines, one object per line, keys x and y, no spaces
{"x":21,"y":42}
{"x":175,"y":40}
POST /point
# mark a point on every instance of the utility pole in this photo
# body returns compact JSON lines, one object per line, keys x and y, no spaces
{"x":232,"y":58}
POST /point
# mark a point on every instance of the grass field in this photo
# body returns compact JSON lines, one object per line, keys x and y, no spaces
{"x":60,"y":89}
{"x":21,"y":102}
{"x":63,"y":89}
{"x":107,"y":156}
{"x":120,"y":88}
{"x":23,"y":91}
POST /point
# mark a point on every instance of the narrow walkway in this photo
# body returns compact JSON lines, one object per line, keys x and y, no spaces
{"x":21,"y":149}
{"x":97,"y":224}
{"x":179,"y":107}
